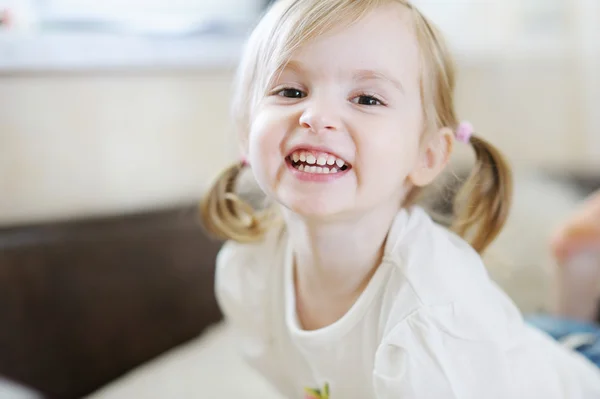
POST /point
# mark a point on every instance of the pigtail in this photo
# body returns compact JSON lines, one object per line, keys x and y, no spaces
{"x":226,"y":216}
{"x":482,"y":204}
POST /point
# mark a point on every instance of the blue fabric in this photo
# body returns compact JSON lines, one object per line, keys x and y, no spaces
{"x":561,"y":329}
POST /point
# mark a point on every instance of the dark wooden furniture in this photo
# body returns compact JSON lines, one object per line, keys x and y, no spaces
{"x":83,"y":302}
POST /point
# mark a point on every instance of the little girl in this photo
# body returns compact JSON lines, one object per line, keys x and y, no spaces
{"x":344,"y":288}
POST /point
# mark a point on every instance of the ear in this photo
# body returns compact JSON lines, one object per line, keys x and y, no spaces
{"x":434,"y":157}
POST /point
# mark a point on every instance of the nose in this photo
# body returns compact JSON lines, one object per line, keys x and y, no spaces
{"x":320,"y":116}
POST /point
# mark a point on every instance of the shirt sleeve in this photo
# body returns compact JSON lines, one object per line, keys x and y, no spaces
{"x":244,"y":287}
{"x":420,"y":359}
{"x":241,"y":293}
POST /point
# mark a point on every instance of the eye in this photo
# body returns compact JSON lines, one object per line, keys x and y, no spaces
{"x":365,"y":99}
{"x":289,"y":92}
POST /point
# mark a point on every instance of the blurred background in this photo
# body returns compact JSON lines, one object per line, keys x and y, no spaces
{"x":113,"y":120}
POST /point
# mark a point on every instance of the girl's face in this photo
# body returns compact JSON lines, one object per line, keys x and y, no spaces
{"x":339,"y":131}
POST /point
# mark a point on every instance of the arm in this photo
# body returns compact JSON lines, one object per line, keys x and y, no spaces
{"x":576,"y":247}
{"x":243,"y":281}
{"x":243,"y":305}
{"x":580,"y":231}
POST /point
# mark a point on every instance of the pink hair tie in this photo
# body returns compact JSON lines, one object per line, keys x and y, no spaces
{"x":244,"y":162}
{"x":464,"y":132}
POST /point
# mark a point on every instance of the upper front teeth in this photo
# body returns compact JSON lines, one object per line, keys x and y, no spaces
{"x":317,"y":159}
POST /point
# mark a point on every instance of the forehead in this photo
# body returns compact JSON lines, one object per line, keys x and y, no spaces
{"x":383,"y":39}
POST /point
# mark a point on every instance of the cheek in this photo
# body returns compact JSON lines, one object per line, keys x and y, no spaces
{"x":267,"y":134}
{"x":391,"y":151}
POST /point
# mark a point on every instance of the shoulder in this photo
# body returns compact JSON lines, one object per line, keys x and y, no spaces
{"x":460,"y":323}
{"x":439,"y":265}
{"x":243,"y":272}
{"x":448,"y":280}
{"x":245,"y":259}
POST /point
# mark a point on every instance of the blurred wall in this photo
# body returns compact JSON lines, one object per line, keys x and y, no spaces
{"x":85,"y":144}
{"x":92,"y":143}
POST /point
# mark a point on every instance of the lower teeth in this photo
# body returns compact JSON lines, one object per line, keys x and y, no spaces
{"x":316,"y":169}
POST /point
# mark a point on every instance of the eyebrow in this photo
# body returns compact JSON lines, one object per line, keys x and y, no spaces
{"x":367,"y":74}
{"x":359,"y":75}
{"x":291,"y":65}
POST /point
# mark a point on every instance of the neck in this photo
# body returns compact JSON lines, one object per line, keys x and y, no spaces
{"x":339,"y":257}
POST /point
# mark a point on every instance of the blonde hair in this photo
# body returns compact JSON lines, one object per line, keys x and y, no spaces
{"x":483,"y":203}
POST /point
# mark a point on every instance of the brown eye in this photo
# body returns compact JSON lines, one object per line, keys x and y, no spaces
{"x":291,"y":93}
{"x":367,"y":100}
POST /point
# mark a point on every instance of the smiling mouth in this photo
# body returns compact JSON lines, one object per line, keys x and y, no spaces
{"x":317,"y":162}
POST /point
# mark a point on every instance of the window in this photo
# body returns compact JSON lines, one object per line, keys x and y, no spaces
{"x":183,"y":16}
{"x":491,"y":26}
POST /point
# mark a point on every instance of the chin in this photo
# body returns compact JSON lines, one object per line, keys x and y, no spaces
{"x":311,"y":207}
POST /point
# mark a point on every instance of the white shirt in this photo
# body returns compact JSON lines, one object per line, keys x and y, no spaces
{"x":430,"y":324}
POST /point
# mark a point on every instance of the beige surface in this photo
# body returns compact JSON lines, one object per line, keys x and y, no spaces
{"x":11,"y":390}
{"x":208,"y":367}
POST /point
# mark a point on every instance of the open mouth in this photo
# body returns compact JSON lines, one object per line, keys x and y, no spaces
{"x":317,"y":162}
